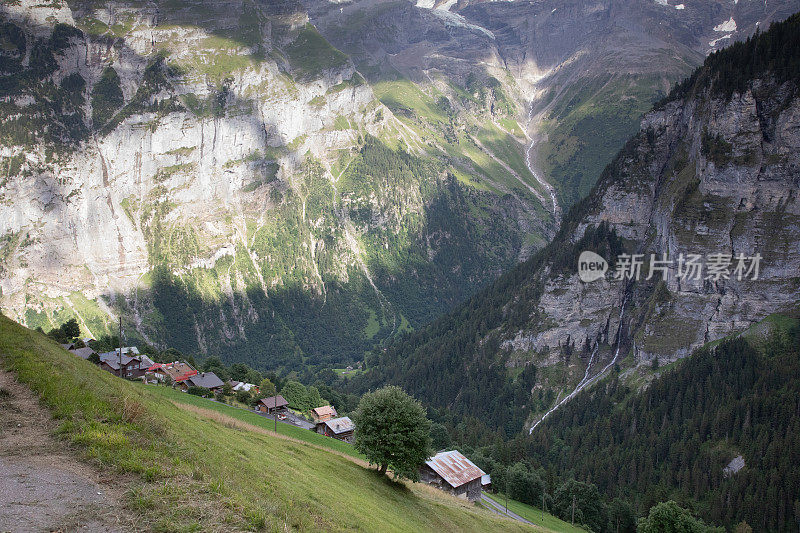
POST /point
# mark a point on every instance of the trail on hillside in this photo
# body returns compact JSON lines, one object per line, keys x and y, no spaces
{"x":42,"y":486}
{"x":586,"y":381}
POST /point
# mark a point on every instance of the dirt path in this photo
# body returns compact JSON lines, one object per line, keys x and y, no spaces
{"x":43,"y":487}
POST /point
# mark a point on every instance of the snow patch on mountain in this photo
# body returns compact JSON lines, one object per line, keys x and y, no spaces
{"x":727,"y":26}
{"x":457,"y":21}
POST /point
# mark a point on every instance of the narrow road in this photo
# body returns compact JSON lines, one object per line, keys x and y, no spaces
{"x":500,"y":509}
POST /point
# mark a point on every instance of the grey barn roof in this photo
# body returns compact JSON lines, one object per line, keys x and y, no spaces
{"x":208,"y":380}
{"x":109,"y":357}
{"x":341,"y":425}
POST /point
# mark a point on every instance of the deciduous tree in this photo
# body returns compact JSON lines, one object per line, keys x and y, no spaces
{"x":392,"y":431}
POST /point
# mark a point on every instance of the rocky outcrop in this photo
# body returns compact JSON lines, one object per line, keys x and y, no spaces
{"x":707,"y":175}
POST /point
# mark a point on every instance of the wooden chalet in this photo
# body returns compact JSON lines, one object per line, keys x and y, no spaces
{"x":273,"y":404}
{"x":339,"y":428}
{"x":323,"y":414}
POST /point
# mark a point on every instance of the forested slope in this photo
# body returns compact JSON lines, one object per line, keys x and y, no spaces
{"x":675,"y":439}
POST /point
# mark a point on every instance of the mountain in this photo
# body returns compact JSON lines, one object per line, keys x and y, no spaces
{"x":581,"y":73}
{"x":286,"y":183}
{"x":713,"y":170}
{"x":223,"y":178}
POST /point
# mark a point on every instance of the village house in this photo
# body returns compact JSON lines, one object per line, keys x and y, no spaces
{"x":241,"y":385}
{"x":339,"y":428}
{"x":176,"y":371}
{"x":452,"y":472}
{"x":486,"y":483}
{"x":135,"y":366}
{"x":206,"y":380}
{"x":112,"y":362}
{"x":323,"y":414}
{"x":273,"y":404}
{"x":83,"y":353}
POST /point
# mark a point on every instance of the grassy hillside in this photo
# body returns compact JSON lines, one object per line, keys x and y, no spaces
{"x":192,"y":468}
{"x":254,"y":419}
{"x":535,"y":515}
{"x":590,"y":123}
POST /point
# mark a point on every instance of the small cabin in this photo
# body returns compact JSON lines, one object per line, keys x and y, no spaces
{"x":323,"y":414}
{"x":339,"y":428}
{"x":273,"y":404}
{"x":452,"y":472}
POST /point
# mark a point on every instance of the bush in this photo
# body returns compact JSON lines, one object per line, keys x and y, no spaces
{"x":301,"y":398}
{"x":525,"y":486}
{"x":589,"y":507}
{"x":669,"y":517}
{"x":199,"y":391}
{"x":66,"y":332}
{"x":242,"y":396}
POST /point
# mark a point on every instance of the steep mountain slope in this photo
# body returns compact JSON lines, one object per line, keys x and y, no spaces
{"x":193,"y":469}
{"x":713,"y":170}
{"x":229,"y":182}
{"x":717,"y":432}
{"x":580,"y":75}
{"x":222,"y":177}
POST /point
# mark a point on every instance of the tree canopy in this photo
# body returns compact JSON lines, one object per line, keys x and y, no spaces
{"x":392,"y":431}
{"x":669,"y":517}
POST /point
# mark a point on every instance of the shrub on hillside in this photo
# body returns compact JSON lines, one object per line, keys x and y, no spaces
{"x":199,"y":391}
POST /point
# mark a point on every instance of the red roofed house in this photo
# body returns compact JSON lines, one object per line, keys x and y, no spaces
{"x":178,"y":371}
{"x":454,"y":473}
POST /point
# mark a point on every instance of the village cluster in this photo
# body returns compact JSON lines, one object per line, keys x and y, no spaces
{"x":449,"y":470}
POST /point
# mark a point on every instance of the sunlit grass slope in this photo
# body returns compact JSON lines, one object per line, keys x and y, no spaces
{"x":193,"y":468}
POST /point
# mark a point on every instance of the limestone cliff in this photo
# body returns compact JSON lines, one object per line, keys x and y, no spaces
{"x":224,"y":178}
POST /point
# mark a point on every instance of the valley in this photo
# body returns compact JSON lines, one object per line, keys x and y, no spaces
{"x":334,"y":200}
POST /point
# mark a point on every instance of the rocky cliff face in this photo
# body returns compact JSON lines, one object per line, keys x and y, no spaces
{"x":221,"y":175}
{"x":707,"y":174}
{"x":712,"y":172}
{"x":230,"y":182}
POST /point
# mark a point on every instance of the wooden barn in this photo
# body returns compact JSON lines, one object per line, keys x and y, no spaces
{"x":453,"y":473}
{"x":323,"y":414}
{"x":273,"y":404}
{"x":339,"y":428}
